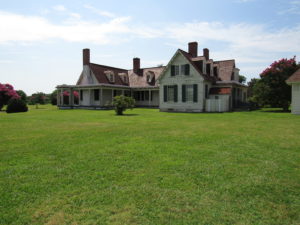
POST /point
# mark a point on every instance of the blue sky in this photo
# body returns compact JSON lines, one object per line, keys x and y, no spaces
{"x":41,"y":42}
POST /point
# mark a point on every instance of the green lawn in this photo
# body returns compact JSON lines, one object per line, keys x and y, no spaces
{"x":149,"y":167}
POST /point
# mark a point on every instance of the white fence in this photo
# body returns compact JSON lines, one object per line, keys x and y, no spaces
{"x":216,"y":105}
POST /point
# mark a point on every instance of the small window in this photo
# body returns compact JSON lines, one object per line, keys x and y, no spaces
{"x":189,"y":93}
{"x":96,"y":94}
{"x":176,"y":70}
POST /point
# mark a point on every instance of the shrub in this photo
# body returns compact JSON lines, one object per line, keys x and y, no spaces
{"x":6,"y":93}
{"x":22,"y":95}
{"x":121,"y":103}
{"x":16,"y":105}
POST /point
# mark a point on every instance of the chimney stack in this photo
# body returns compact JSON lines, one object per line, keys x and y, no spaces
{"x":136,"y":65}
{"x":193,"y":49}
{"x":206,"y":53}
{"x":86,"y":56}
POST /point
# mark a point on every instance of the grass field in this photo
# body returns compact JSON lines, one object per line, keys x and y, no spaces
{"x":148,"y":167}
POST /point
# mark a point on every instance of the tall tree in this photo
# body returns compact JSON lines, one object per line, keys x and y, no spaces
{"x":272,"y":87}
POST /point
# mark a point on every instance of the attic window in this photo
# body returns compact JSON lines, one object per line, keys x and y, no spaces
{"x":110,"y":76}
{"x":124,"y":77}
{"x":149,"y":76}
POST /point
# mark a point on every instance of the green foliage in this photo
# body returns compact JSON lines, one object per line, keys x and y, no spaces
{"x":242,"y":79}
{"x":272,"y":89}
{"x":53,"y":97}
{"x":23,"y":95}
{"x":37,"y":98}
{"x":89,"y":167}
{"x":16,"y":105}
{"x":121,"y":103}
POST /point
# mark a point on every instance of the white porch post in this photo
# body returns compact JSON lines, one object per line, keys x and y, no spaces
{"x":90,"y":97}
{"x":71,"y":98}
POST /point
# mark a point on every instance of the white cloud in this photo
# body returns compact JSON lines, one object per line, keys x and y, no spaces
{"x":34,"y":28}
{"x":293,"y":7}
{"x":99,"y":12}
{"x":59,"y":8}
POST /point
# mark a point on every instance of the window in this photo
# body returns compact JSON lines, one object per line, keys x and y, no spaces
{"x":190,"y":93}
{"x":185,"y":69}
{"x":96,"y":94}
{"x":146,"y":95}
{"x":170,"y":93}
{"x":110,"y":76}
{"x":174,"y":70}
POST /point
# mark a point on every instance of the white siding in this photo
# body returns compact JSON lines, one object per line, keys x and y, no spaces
{"x":179,"y":80}
{"x":296,"y":99}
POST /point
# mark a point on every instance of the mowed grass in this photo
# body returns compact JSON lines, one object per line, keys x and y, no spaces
{"x":149,"y":167}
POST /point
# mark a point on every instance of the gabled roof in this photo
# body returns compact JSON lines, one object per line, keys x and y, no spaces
{"x":226,"y":68}
{"x":295,"y":78}
{"x":98,"y":71}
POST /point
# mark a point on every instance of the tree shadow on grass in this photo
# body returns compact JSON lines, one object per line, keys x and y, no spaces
{"x":132,"y":114}
{"x":275,"y":111}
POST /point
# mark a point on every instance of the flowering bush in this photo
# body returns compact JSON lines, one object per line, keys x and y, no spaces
{"x":37,"y":98}
{"x":66,"y":95}
{"x":7,"y":92}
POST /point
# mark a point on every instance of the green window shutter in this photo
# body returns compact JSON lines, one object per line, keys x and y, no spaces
{"x":187,"y":69}
{"x":172,"y":70}
{"x":195,"y":92}
{"x":165,"y":93}
{"x":183,"y":93}
{"x":175,"y":93}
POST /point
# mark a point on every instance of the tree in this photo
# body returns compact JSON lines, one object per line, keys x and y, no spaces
{"x":6,"y":93}
{"x":53,"y":97}
{"x":272,"y":88}
{"x":121,"y":103}
{"x":242,"y":79}
{"x":38,"y":98}
{"x":23,"y":95}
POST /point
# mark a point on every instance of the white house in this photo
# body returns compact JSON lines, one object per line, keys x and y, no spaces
{"x":189,"y":83}
{"x":294,"y":81}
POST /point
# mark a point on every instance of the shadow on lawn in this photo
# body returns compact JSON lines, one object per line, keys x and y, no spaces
{"x":275,"y":111}
{"x":132,"y":114}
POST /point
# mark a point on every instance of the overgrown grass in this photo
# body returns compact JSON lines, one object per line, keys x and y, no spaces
{"x":92,"y":167}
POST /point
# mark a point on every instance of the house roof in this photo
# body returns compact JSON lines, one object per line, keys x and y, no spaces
{"x":99,"y":70}
{"x":226,"y":68}
{"x":140,"y":80}
{"x":295,"y":78}
{"x":220,"y":91}
{"x":195,"y":65}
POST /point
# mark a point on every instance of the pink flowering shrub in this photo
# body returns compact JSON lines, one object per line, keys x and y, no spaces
{"x":7,"y":92}
{"x":66,"y":95}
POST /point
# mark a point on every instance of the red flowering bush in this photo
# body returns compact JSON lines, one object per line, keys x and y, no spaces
{"x":66,"y":95}
{"x":272,"y":89}
{"x":7,"y":92}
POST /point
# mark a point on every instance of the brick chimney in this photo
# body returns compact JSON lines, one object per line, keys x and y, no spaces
{"x":193,"y":49}
{"x":136,"y":65}
{"x":206,"y":53}
{"x":86,"y":56}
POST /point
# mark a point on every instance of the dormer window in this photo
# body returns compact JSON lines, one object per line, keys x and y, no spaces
{"x":124,"y":77}
{"x":110,"y":76}
{"x":150,"y":76}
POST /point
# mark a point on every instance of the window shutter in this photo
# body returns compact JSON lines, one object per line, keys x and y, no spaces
{"x":175,"y":93}
{"x":172,"y":70}
{"x":183,"y":93}
{"x":187,"y":69}
{"x":195,"y":92}
{"x":165,"y":93}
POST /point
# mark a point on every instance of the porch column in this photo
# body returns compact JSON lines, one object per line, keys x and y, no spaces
{"x":71,"y":97}
{"x":90,"y":97}
{"x":61,"y":96}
